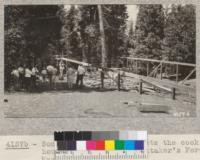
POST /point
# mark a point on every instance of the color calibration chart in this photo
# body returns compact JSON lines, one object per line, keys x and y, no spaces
{"x":100,"y":145}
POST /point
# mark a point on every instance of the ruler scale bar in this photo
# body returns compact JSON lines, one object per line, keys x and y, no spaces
{"x":101,"y":156}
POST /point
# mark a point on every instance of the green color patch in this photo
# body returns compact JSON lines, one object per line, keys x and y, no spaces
{"x":119,"y":145}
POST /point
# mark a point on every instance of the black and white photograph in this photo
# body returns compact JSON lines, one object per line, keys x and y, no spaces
{"x":99,"y":61}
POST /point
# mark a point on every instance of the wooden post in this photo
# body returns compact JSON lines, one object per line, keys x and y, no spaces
{"x":177,"y":73}
{"x":131,"y":65}
{"x":127,"y":66}
{"x":140,"y":87}
{"x":147,"y":69}
{"x":119,"y":81}
{"x":136,"y":67}
{"x":102,"y":79}
{"x":161,"y":69}
{"x":173,"y":93}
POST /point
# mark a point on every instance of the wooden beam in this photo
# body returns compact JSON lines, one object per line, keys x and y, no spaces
{"x":159,"y":61}
{"x":177,"y":72}
{"x":155,"y":69}
{"x":132,"y":66}
{"x":147,"y":69}
{"x":140,"y":87}
{"x":136,"y":67}
{"x":188,"y":76}
{"x":119,"y":81}
{"x":127,"y":66}
{"x":74,"y":61}
{"x":161,"y":69}
{"x":170,"y":90}
{"x":157,"y":85}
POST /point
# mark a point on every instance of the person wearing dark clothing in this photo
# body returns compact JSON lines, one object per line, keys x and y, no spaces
{"x":34,"y":77}
{"x":80,"y":75}
{"x":102,"y":78}
{"x":28,"y":74}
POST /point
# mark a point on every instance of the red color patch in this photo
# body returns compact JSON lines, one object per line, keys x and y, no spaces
{"x":100,"y":145}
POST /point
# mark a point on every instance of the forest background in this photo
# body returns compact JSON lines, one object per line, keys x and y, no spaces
{"x":34,"y":34}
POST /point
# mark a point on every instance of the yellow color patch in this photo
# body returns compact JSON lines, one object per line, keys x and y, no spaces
{"x":109,"y":145}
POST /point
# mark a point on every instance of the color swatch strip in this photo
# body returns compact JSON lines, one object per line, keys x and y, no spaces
{"x":100,"y":140}
{"x":107,"y":145}
{"x":100,"y":135}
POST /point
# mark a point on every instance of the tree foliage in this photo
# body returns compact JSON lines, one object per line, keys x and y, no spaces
{"x":166,"y":33}
{"x":31,"y":35}
{"x":115,"y":19}
{"x":179,"y":41}
{"x":34,"y":33}
{"x":149,"y":31}
{"x":70,"y":33}
{"x":89,"y":29}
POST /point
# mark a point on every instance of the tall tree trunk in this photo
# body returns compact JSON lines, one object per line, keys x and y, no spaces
{"x":84,"y":57}
{"x":102,"y":35}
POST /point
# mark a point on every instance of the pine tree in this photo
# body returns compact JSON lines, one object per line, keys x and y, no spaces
{"x":115,"y":19}
{"x":70,"y":33}
{"x":131,"y":40}
{"x":149,"y":31}
{"x":89,"y":29}
{"x":180,"y":41}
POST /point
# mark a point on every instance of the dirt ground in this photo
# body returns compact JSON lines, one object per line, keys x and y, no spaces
{"x":93,"y":109}
{"x":93,"y":102}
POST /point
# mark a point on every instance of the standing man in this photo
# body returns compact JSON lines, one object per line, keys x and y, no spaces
{"x":28,"y":74}
{"x":54,"y":73}
{"x":50,"y":70}
{"x":70,"y":77}
{"x":21,"y":76}
{"x":61,"y":69}
{"x":15,"y":74}
{"x":33,"y":77}
{"x":80,"y":74}
{"x":44,"y":74}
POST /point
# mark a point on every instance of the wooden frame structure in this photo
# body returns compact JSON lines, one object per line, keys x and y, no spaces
{"x":130,"y":61}
{"x":170,"y":90}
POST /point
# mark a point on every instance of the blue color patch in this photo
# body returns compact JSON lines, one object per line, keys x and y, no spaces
{"x":139,"y":145}
{"x":129,"y":145}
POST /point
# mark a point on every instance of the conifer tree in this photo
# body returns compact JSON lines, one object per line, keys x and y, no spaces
{"x":149,"y":31}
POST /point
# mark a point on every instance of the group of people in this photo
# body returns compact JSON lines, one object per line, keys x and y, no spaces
{"x":25,"y":77}
{"x":74,"y":75}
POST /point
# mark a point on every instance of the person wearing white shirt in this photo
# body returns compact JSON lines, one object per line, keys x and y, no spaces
{"x":51,"y":71}
{"x":54,"y":75}
{"x":28,"y":74}
{"x":21,"y":77}
{"x":33,"y":77}
{"x":44,"y":75}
